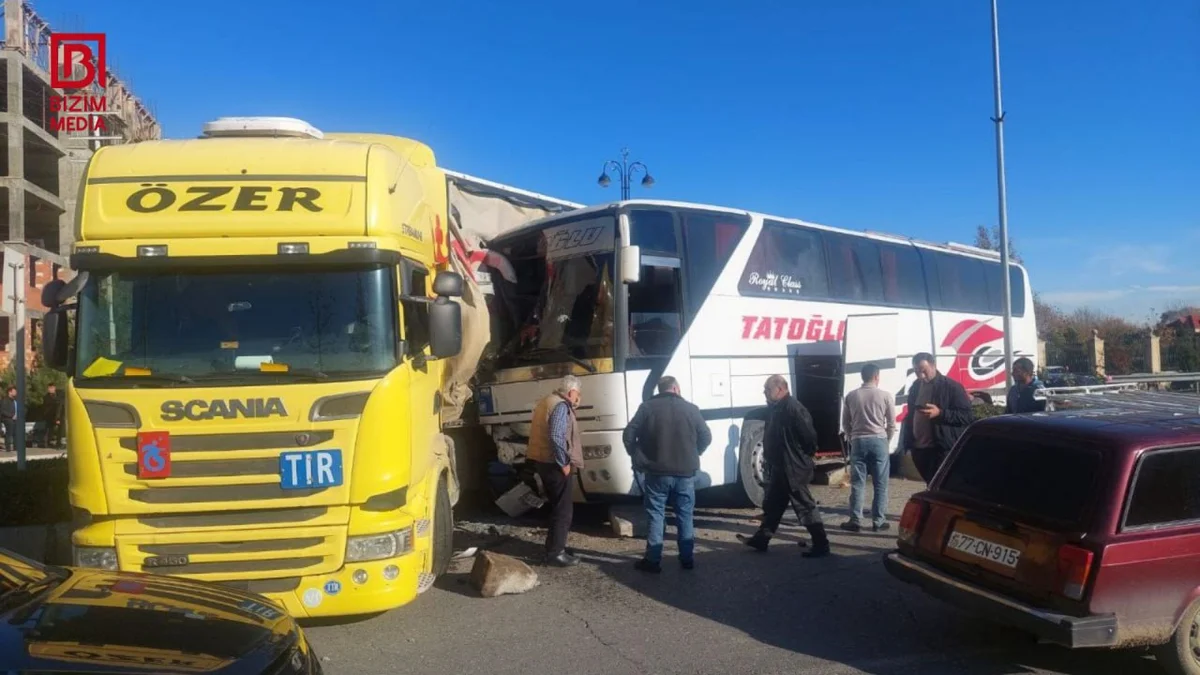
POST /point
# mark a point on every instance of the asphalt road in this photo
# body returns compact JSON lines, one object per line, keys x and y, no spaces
{"x":737,"y":612}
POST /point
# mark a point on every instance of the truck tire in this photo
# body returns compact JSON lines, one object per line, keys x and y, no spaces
{"x":750,"y":461}
{"x":1181,"y":656}
{"x":443,"y":528}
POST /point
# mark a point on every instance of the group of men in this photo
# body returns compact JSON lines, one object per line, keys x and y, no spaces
{"x":47,"y":418}
{"x":668,"y":434}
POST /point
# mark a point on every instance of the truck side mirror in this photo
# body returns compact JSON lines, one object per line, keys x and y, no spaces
{"x":445,"y":327}
{"x":631,"y":264}
{"x":448,"y":285}
{"x":55,"y":345}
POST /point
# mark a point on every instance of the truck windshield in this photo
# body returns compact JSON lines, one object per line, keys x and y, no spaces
{"x":559,"y":308}
{"x":153,"y":328}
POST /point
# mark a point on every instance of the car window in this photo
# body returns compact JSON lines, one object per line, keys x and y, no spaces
{"x":1166,"y":489}
{"x":1049,"y":481}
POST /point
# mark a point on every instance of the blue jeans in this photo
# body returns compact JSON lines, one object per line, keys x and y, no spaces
{"x":869,"y":457}
{"x":657,"y":490}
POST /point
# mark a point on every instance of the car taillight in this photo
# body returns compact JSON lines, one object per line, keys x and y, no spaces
{"x":1074,"y":566}
{"x":910,"y":521}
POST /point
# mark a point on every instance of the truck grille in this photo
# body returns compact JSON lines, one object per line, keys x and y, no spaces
{"x":214,"y":472}
{"x":273,"y":555}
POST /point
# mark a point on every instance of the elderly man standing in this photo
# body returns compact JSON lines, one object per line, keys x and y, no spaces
{"x":789,"y":444}
{"x":665,"y":438}
{"x":556,"y":451}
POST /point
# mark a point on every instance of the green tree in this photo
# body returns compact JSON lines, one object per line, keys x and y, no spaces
{"x":990,"y":240}
{"x":37,"y":378}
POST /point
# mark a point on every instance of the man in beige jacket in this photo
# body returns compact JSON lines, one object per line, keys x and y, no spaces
{"x":556,"y":450}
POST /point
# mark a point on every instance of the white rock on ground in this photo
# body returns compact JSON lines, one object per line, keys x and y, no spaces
{"x":495,"y":574}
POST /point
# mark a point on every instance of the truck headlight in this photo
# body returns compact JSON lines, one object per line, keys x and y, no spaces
{"x":379,"y":546}
{"x":96,"y":557}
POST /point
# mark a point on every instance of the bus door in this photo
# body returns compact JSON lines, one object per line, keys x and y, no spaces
{"x":871,"y":338}
{"x":816,"y":370}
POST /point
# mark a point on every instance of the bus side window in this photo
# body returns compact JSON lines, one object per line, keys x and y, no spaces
{"x":709,"y":240}
{"x":854,"y":271}
{"x":416,"y":314}
{"x":787,"y":261}
{"x":655,"y":309}
{"x":903,"y":279}
{"x":962,"y":281}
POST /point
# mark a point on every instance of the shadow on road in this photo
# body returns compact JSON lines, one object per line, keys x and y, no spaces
{"x":847,"y":609}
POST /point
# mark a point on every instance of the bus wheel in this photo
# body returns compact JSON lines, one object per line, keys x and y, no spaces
{"x":443,"y":529}
{"x":750,"y":461}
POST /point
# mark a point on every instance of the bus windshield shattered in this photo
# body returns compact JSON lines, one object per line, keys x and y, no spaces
{"x":555,"y":304}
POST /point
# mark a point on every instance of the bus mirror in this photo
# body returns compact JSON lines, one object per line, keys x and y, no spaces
{"x":448,"y":285}
{"x":445,"y":328}
{"x":55,"y":345}
{"x":631,"y":264}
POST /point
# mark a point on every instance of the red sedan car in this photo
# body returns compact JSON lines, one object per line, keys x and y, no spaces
{"x":1082,"y":528}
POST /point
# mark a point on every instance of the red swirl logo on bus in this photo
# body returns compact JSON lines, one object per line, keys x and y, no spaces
{"x":978,"y":361}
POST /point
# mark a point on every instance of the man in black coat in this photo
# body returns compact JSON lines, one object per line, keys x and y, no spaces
{"x":665,"y":438}
{"x":938,"y":413}
{"x":789,"y":444}
{"x":8,"y":417}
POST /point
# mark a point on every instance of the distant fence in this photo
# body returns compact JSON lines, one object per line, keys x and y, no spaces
{"x":1181,"y":352}
{"x":1073,"y":357}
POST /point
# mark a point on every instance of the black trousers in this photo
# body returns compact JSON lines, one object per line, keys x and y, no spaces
{"x":785,"y":487}
{"x":562,"y":509}
{"x":928,"y":461}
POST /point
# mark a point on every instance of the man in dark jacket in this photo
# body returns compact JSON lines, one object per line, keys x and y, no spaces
{"x":789,"y":443}
{"x":665,"y":438}
{"x":51,"y":414}
{"x":938,"y":412}
{"x":1026,"y":395}
{"x":8,"y":417}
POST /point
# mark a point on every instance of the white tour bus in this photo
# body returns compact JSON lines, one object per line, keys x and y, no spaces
{"x":625,"y":293}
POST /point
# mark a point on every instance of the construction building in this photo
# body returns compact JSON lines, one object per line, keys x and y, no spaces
{"x":42,"y":163}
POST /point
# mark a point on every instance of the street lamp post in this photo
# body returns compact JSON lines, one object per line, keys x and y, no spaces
{"x":624,"y":170}
{"x":1002,"y":197}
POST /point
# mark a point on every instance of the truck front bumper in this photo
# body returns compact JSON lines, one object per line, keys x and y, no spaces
{"x":339,"y":594}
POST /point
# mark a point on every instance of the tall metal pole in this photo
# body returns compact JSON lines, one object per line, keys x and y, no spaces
{"x":624,"y":174}
{"x":1002,"y":195}
{"x":19,"y":317}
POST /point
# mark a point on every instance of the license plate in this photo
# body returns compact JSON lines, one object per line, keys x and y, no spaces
{"x":983,"y":549}
{"x":310,"y":469}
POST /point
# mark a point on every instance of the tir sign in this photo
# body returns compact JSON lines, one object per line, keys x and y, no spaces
{"x":154,"y":454}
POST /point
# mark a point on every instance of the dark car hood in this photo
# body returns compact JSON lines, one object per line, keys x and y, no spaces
{"x":105,"y":622}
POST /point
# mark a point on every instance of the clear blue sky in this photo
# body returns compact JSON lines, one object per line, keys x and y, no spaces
{"x":868,"y":114}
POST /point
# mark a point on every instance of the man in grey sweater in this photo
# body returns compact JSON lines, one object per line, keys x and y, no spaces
{"x":869,"y":421}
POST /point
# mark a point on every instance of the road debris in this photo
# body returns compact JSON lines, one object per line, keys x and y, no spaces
{"x":495,"y":574}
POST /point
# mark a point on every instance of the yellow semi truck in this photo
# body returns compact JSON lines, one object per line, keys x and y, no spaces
{"x":268,"y":332}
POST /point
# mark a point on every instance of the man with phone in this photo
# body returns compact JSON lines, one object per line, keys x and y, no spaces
{"x":938,"y":412}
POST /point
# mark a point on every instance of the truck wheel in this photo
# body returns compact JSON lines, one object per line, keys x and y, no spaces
{"x":1181,"y":656}
{"x":443,"y":529}
{"x":750,"y":461}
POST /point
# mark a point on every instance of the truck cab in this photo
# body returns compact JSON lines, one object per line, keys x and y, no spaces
{"x":256,"y":339}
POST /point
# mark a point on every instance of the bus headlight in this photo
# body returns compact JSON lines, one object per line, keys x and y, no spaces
{"x":597,"y":451}
{"x":379,"y":546}
{"x":96,"y":558}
